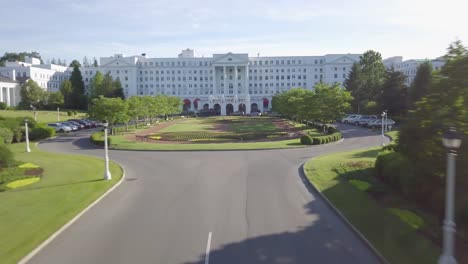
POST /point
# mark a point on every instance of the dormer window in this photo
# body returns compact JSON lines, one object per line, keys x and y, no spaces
{"x":229,"y":59}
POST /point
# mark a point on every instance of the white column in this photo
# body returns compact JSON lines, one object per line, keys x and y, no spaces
{"x":1,"y":94}
{"x":8,"y":96}
{"x":214,"y":80}
{"x":246,"y":87}
{"x":225,"y":81}
{"x":235,"y":80}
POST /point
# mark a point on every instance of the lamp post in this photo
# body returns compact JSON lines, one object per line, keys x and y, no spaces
{"x":27,"y":135}
{"x":383,"y":136}
{"x":451,"y":141}
{"x":107,"y":174}
{"x":386,"y":120}
{"x":58,"y":114}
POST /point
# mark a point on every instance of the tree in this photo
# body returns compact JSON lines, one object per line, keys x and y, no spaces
{"x":136,"y":108}
{"x":75,"y":64}
{"x":118,"y":90}
{"x":353,"y":84}
{"x":421,"y":83}
{"x":114,"y":110}
{"x":77,"y":95}
{"x":456,"y":50}
{"x":394,"y":93}
{"x":95,"y":62}
{"x":53,"y":61}
{"x":107,"y":86}
{"x":331,"y":102}
{"x":66,"y":89}
{"x":32,"y":95}
{"x":444,"y":105}
{"x":59,"y":61}
{"x":54,"y":100}
{"x":95,"y":85}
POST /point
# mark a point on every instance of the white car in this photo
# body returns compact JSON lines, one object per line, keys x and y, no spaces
{"x":350,"y":119}
{"x":59,"y":127}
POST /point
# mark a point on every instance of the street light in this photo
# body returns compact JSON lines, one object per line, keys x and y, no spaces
{"x":386,"y":120}
{"x":451,"y":141}
{"x":107,"y":174}
{"x":383,"y":119}
{"x":58,"y":114}
{"x":27,"y":135}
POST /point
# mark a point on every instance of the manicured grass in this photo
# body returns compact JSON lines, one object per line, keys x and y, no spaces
{"x":30,"y":214}
{"x":42,"y":116}
{"x":393,"y":134}
{"x":120,"y":142}
{"x":397,"y":241}
{"x":188,"y":125}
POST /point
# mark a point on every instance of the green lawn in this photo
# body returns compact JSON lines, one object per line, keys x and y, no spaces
{"x":30,"y":214}
{"x":397,"y":240}
{"x":42,"y":116}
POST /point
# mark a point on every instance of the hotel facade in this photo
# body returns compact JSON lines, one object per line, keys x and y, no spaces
{"x":227,"y":82}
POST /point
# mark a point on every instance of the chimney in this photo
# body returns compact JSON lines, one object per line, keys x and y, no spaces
{"x":13,"y":72}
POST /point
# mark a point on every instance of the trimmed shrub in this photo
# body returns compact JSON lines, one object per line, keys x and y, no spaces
{"x":315,"y":141}
{"x":41,"y":132}
{"x":3,"y":106}
{"x":6,"y":134}
{"x":332,"y":130}
{"x":98,"y":139}
{"x":6,"y":157}
{"x":69,"y":113}
{"x":75,"y":113}
{"x":18,"y":134}
{"x":396,"y":169}
{"x":306,"y":140}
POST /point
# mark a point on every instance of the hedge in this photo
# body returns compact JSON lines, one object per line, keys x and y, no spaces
{"x":306,"y":140}
{"x":98,"y":139}
{"x":6,"y":134}
{"x":41,"y":132}
{"x":326,"y":138}
{"x":6,"y":157}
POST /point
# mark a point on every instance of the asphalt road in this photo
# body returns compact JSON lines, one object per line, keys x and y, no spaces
{"x":239,"y":206}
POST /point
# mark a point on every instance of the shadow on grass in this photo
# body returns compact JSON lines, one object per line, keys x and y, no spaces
{"x":366,"y":154}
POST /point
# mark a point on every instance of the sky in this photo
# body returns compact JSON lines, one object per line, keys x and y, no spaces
{"x":414,"y":29}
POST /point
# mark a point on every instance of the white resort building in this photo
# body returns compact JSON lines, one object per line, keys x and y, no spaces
{"x":225,"y":82}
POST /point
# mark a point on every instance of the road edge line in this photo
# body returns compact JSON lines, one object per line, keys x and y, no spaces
{"x":311,"y":187}
{"x":34,"y":252}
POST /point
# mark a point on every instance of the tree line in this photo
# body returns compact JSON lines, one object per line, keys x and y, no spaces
{"x":416,"y":167}
{"x":325,"y":103}
{"x":120,"y":111}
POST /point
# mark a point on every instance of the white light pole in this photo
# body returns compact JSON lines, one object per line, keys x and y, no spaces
{"x":27,"y":135}
{"x":58,"y":114}
{"x":107,"y":174}
{"x":383,"y":136}
{"x":386,"y":120}
{"x":451,"y":141}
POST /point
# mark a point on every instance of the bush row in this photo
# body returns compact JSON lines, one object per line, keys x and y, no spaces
{"x":191,"y":136}
{"x":98,"y":139}
{"x":308,"y":140}
{"x":322,"y":127}
{"x":41,"y":132}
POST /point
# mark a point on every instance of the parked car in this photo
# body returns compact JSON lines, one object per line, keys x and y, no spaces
{"x":364,"y":119}
{"x":81,"y":122}
{"x":72,"y":126}
{"x":378,"y":124}
{"x":92,"y":123}
{"x":59,"y":127}
{"x":350,"y":119}
{"x":79,"y":125}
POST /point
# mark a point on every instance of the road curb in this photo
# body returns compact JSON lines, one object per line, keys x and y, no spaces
{"x":34,"y":252}
{"x":312,"y":189}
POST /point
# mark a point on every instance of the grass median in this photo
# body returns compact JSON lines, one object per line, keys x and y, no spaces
{"x":30,"y":214}
{"x":42,"y":116}
{"x":396,"y":240}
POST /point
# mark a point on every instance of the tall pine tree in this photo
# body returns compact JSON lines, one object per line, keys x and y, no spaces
{"x":77,"y":95}
{"x":421,"y":83}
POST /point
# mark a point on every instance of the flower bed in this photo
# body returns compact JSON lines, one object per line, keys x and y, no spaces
{"x":214,"y":136}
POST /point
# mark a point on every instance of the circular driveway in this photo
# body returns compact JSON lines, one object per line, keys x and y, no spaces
{"x":210,"y":207}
